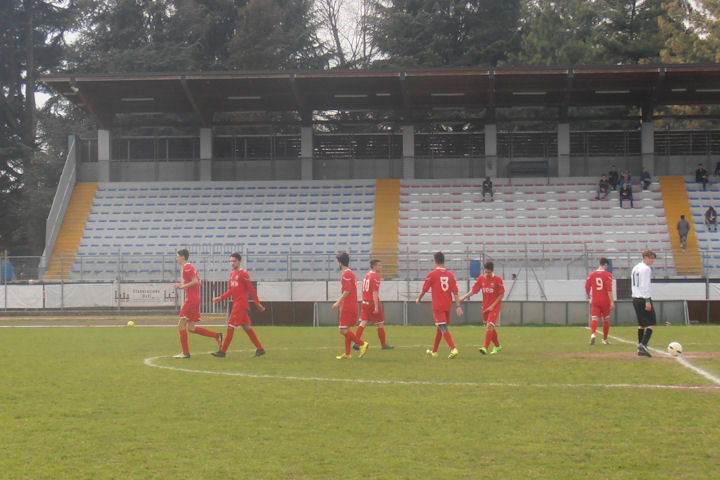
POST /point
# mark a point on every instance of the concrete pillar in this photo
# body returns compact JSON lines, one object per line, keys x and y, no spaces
{"x":491,"y":169}
{"x":306,"y":153}
{"x":563,"y":145}
{"x":206,"y":154}
{"x":647,"y":145}
{"x":104,"y":140}
{"x":408,"y":149}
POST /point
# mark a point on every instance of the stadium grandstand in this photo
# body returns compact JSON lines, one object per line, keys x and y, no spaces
{"x":290,"y":168}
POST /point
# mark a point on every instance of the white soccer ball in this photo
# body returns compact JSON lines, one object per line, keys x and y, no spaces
{"x":674,"y":349}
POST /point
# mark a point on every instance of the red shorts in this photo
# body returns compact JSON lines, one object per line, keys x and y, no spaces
{"x":367,"y":313}
{"x":602,"y":310}
{"x":441,"y":316}
{"x":191,"y":311}
{"x":348,"y":319}
{"x":238,"y":318}
{"x":492,"y":316}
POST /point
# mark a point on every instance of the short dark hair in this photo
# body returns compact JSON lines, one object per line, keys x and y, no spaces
{"x":682,"y":217}
{"x":374,"y":262}
{"x":439,"y":258}
{"x":489,"y":266}
{"x":343,"y":258}
{"x":236,"y":256}
{"x":604,"y":261}
{"x":183,"y":252}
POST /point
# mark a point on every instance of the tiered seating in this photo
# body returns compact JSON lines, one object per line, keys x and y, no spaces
{"x":708,"y":241}
{"x":145,"y":223}
{"x":556,"y":220}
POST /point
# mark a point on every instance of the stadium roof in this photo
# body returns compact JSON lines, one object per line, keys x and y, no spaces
{"x":207,"y":93}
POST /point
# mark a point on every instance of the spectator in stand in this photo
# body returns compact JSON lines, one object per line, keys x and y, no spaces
{"x":683,"y":228}
{"x":487,"y":187}
{"x":717,"y":169}
{"x":711,"y":219}
{"x":645,"y":178}
{"x":603,"y":188}
{"x":613,"y":177}
{"x":626,"y":193}
{"x":624,"y":179}
{"x":701,"y":176}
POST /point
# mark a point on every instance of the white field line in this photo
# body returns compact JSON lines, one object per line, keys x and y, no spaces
{"x":680,"y":359}
{"x":151,"y":362}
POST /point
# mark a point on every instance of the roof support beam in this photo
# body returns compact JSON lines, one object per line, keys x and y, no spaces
{"x":191,"y":99}
{"x":86,"y":102}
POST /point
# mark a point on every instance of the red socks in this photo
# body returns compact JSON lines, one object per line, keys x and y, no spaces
{"x":489,"y":336}
{"x":184,"y":342}
{"x":359,"y":332}
{"x":228,"y":339}
{"x":449,"y":340}
{"x":436,"y":343}
{"x":593,"y":325}
{"x":495,"y":338}
{"x":205,"y":332}
{"x":381,"y":336}
{"x":606,"y":329}
{"x":254,"y":339}
{"x":350,"y":337}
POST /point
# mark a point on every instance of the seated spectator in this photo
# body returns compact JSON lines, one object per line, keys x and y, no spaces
{"x":613,"y":177}
{"x":711,"y":219}
{"x":626,"y":194}
{"x":701,"y":176}
{"x":487,"y":187}
{"x":625,"y":179}
{"x":645,"y":179}
{"x":603,"y":187}
{"x":717,"y":169}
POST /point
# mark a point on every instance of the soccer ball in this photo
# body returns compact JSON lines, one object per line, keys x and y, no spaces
{"x":674,"y":349}
{"x":131,"y":323}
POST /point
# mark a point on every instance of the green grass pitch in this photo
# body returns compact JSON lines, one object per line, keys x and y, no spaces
{"x":110,"y":403}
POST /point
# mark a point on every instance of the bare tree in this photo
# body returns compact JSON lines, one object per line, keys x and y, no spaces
{"x":345,"y":24}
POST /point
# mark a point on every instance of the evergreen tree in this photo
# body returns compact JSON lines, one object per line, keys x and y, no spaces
{"x":630,"y":30}
{"x":558,"y":32}
{"x":453,"y":33}
{"x":31,"y":43}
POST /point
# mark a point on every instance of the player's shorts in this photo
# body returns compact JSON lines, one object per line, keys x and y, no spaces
{"x":191,"y":311}
{"x":348,"y":319}
{"x":492,"y":316}
{"x":367,"y":313}
{"x":238,"y":318}
{"x":441,"y":316}
{"x":644,"y":318}
{"x":601,"y":310}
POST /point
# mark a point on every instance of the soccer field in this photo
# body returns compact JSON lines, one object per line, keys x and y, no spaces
{"x":107,"y":402}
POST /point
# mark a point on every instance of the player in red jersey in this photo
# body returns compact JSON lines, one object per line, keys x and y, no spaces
{"x":190,"y":311}
{"x":444,"y":292}
{"x":599,"y":282}
{"x":371,"y":308}
{"x":348,"y":305}
{"x":492,"y":289}
{"x":239,"y":287}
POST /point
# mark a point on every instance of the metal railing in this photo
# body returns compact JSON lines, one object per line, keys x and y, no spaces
{"x":534,"y":263}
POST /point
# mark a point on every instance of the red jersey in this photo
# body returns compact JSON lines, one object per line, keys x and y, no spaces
{"x":192,"y":294}
{"x":600,"y":282}
{"x":370,"y":285}
{"x":239,"y":287}
{"x":348,"y":283}
{"x":443,"y":285}
{"x":492,"y":289}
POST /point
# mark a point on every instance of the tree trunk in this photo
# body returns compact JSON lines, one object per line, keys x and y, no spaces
{"x":28,"y":130}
